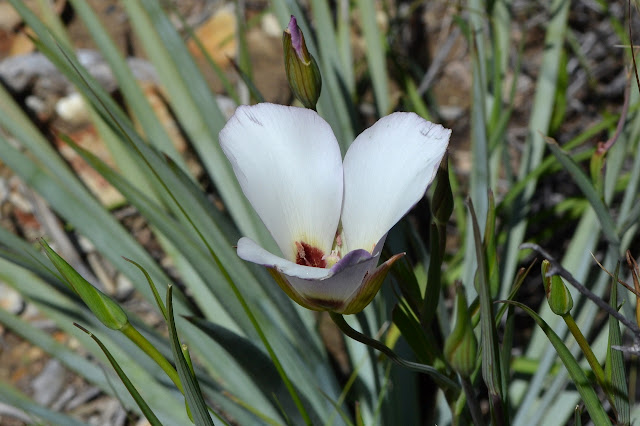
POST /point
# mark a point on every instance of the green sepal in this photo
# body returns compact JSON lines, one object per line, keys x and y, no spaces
{"x":370,"y":287}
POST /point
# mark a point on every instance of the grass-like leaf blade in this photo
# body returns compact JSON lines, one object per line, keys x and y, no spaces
{"x":148,"y":413}
{"x":582,"y":383}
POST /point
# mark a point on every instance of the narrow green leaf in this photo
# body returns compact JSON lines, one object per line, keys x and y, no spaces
{"x":148,"y":413}
{"x":375,"y":53}
{"x":550,"y":164}
{"x":490,"y":248}
{"x":407,"y":282}
{"x":560,"y":100}
{"x":13,"y":397}
{"x":539,"y":121}
{"x":343,"y":38}
{"x":414,"y":101}
{"x":584,"y":183}
{"x":519,"y":280}
{"x":425,"y":349}
{"x":228,"y":87}
{"x":479,"y":180}
{"x":491,"y":368}
{"x":434,"y":278}
{"x":248,"y":81}
{"x":128,"y":84}
{"x":64,"y":310}
{"x":152,"y":285}
{"x":195,"y":106}
{"x":19,"y":252}
{"x":615,"y":367}
{"x":56,"y":183}
{"x":436,"y":375}
{"x":192,"y":391}
{"x":582,"y":383}
{"x":258,"y":366}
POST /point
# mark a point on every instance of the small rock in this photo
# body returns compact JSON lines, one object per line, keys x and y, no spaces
{"x":103,"y":271}
{"x":66,"y":395}
{"x":83,"y":397}
{"x":73,"y":109}
{"x":9,"y":17}
{"x":4,"y":190}
{"x":271,"y":26}
{"x":450,"y":112}
{"x":36,"y":104}
{"x":218,"y":36}
{"x":9,"y":411}
{"x":49,"y":383}
{"x":10,"y":300}
{"x":124,"y":287}
{"x":85,"y":244}
{"x":226,"y":105}
{"x":16,"y":195}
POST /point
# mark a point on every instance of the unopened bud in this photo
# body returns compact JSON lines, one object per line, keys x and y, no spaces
{"x":461,"y":347}
{"x":105,"y":309}
{"x":442,"y":202}
{"x":558,"y":295}
{"x":302,"y":70}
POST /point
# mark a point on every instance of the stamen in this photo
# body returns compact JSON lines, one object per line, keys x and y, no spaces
{"x":331,"y":258}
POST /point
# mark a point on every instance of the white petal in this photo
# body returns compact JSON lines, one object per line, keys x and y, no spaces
{"x":387,"y":170}
{"x":252,"y":252}
{"x":288,"y":163}
{"x":328,"y":288}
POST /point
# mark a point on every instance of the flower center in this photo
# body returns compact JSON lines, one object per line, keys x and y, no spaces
{"x":309,"y":255}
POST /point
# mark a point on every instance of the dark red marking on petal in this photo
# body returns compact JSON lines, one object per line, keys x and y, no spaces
{"x":309,"y":255}
{"x":326,"y":304}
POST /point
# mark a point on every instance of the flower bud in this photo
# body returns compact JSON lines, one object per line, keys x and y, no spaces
{"x":461,"y":347}
{"x":105,"y":309}
{"x":302,"y":70}
{"x":558,"y":295}
{"x":442,"y":202}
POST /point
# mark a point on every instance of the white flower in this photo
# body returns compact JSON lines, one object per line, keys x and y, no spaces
{"x":329,"y":217}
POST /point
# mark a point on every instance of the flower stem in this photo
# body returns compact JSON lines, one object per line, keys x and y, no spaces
{"x":438,"y":377}
{"x":588,"y":353}
{"x":472,"y":402}
{"x":142,"y":342}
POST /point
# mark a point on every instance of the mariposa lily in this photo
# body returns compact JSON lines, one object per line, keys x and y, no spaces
{"x":329,"y":216}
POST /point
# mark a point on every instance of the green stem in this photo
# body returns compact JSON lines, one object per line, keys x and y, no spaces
{"x":589,"y":355}
{"x":438,"y":377}
{"x":142,"y":342}
{"x":472,"y":402}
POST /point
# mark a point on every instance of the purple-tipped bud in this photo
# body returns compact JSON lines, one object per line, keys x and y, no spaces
{"x":296,"y":38}
{"x":302,"y":71}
